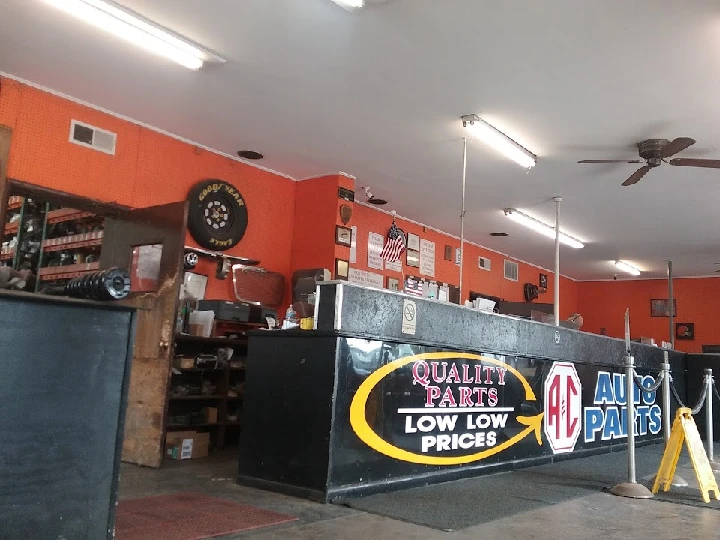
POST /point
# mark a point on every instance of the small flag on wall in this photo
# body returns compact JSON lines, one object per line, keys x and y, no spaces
{"x":395,"y":244}
{"x":413,"y":287}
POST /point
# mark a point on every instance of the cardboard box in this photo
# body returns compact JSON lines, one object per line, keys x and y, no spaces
{"x":211,"y":415}
{"x":196,"y":330}
{"x":187,"y":444}
{"x":182,"y":362}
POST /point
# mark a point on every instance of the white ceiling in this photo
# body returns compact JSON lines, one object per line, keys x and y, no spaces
{"x":378,"y":94}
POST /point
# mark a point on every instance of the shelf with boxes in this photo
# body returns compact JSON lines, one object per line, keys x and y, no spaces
{"x":207,"y":387}
{"x":53,"y":243}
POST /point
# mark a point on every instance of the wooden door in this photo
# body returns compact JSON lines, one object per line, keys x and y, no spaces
{"x":5,"y":136}
{"x":127,"y":238}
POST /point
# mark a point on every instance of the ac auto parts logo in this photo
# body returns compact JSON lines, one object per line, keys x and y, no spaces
{"x":563,"y":407}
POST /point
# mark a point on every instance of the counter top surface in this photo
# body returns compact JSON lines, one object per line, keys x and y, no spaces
{"x":46,"y":298}
{"x":378,"y":314}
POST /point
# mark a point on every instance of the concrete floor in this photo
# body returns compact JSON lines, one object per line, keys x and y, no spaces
{"x":598,"y":516}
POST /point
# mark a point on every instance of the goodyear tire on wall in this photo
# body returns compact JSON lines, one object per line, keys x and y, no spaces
{"x":217,"y":215}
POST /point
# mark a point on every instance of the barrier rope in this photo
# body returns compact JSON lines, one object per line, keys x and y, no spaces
{"x":653,"y":387}
{"x":715,"y":390}
{"x":701,"y":399}
{"x":675,"y":394}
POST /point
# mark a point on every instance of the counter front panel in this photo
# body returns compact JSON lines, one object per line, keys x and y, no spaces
{"x":407,"y":411}
{"x":449,"y":394}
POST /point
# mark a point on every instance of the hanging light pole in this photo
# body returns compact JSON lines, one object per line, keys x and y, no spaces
{"x":671,"y":304}
{"x":462,"y":219}
{"x":556,"y":291}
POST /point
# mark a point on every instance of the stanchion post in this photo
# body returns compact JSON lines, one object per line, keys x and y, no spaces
{"x":709,"y":419}
{"x":631,"y":488}
{"x":667,"y":426}
{"x":630,"y":404}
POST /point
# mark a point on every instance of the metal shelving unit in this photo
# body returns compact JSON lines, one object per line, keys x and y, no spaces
{"x":55,"y":244}
{"x":224,"y":432}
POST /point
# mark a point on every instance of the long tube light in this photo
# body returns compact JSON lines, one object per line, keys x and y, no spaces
{"x":496,"y":139}
{"x":350,"y":4}
{"x":106,"y":16}
{"x":542,"y":228}
{"x":625,"y":267}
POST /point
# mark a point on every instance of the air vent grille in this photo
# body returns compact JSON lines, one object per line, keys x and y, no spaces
{"x":511,"y":270}
{"x":93,"y":137}
{"x":484,"y":263}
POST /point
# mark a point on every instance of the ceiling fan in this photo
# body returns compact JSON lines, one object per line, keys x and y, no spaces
{"x":656,"y":151}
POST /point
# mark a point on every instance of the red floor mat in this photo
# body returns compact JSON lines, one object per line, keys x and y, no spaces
{"x":188,"y":516}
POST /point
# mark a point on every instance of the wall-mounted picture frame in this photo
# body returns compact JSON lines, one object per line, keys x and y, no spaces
{"x":346,"y":194}
{"x":413,"y":242}
{"x":413,"y":258}
{"x":543,"y":281}
{"x":448,"y":253}
{"x":393,"y":284}
{"x":194,"y":285}
{"x":343,"y":236}
{"x":685,"y":330}
{"x":342,"y":269}
{"x":659,"y":307}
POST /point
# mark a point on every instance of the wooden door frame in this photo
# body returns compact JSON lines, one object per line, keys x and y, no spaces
{"x":5,"y":141}
{"x":144,"y":431}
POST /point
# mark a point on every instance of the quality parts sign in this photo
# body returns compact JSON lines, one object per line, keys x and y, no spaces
{"x":457,"y":413}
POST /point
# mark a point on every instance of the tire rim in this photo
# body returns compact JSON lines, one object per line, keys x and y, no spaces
{"x":217,"y":215}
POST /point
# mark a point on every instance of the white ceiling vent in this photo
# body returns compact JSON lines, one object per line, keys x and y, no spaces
{"x":93,"y":137}
{"x":511,"y":270}
{"x":484,"y":263}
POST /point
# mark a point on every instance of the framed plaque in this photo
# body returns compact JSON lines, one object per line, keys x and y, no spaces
{"x":343,"y":236}
{"x":413,"y":242}
{"x":413,"y":258}
{"x":342,"y":269}
{"x":661,"y":308}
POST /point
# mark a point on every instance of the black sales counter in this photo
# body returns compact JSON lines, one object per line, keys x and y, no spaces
{"x":392,"y":391}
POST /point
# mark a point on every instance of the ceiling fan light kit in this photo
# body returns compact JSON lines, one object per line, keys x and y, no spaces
{"x":625,"y":267}
{"x":497,"y":140}
{"x":655,"y":152}
{"x":542,"y":228}
{"x":136,"y":30}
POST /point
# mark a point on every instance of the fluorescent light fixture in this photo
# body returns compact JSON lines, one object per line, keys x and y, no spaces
{"x":350,"y":4}
{"x":497,"y":140}
{"x":130,"y":27}
{"x":542,"y":228}
{"x":625,"y":267}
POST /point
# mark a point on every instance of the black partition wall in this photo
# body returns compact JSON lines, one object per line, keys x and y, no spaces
{"x":64,"y":368}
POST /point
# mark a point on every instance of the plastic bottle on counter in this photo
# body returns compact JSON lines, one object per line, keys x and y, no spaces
{"x":290,"y":315}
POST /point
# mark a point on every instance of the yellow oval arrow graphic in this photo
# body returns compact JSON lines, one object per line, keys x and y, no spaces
{"x":363,"y":430}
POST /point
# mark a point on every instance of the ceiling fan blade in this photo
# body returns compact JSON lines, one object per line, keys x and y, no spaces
{"x":678,"y":145}
{"x":691,"y":162}
{"x":636,"y":176}
{"x":610,"y":161}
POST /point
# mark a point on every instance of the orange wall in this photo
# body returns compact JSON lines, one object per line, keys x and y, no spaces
{"x":603,"y":303}
{"x":314,"y":232}
{"x":148,"y":169}
{"x":487,"y":282}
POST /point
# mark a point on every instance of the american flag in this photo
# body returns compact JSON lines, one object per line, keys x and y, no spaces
{"x":395,"y":244}
{"x":413,"y":287}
